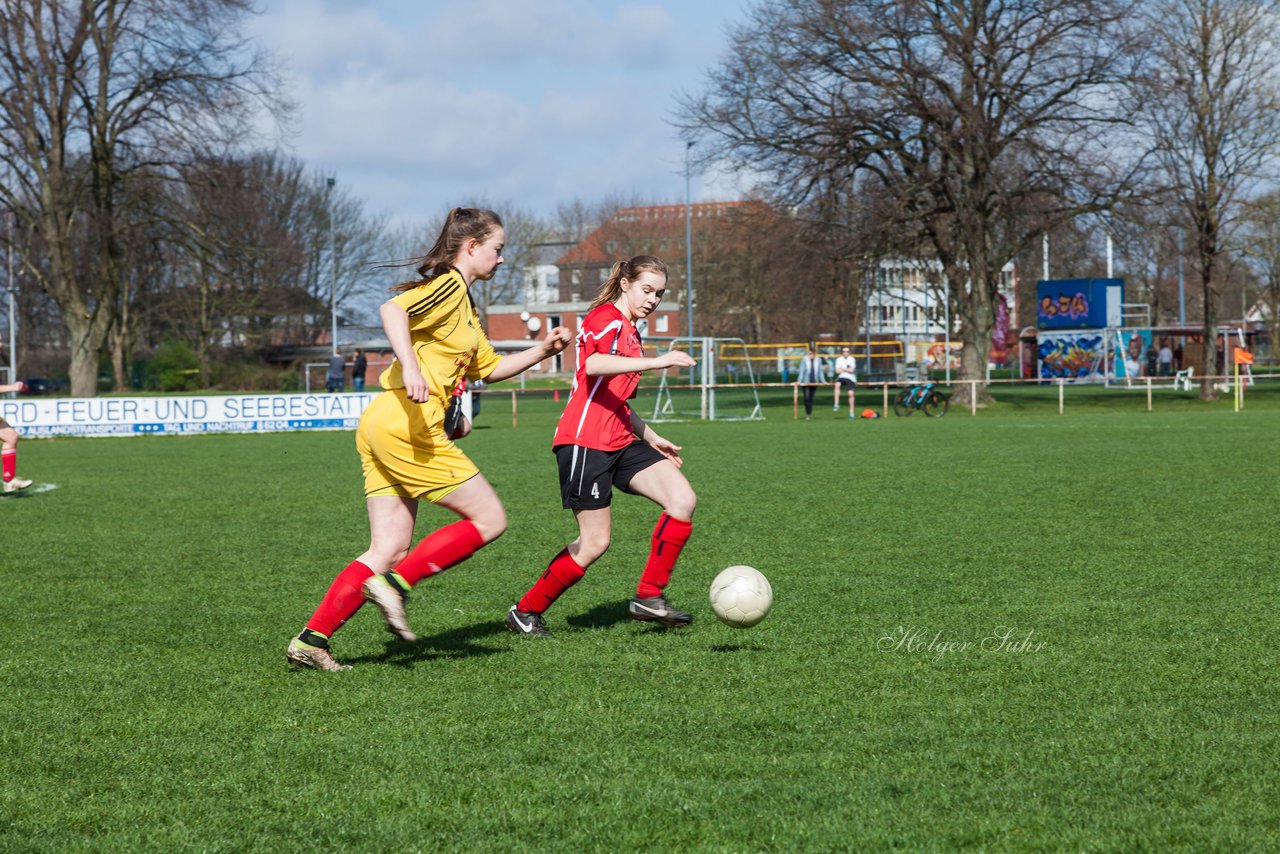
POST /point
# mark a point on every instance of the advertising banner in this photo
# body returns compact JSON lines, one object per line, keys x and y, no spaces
{"x":137,"y":416}
{"x":933,"y":354}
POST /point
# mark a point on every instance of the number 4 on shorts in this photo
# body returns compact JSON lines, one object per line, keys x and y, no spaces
{"x":595,"y":490}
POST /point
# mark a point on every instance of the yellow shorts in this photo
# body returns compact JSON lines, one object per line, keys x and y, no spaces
{"x":405,"y":452}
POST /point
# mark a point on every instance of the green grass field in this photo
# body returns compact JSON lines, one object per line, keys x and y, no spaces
{"x":1126,"y":558}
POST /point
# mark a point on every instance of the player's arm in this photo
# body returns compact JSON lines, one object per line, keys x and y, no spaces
{"x":608,"y":364}
{"x":643,"y":431}
{"x":18,"y":387}
{"x":516,"y":363}
{"x":395,"y":322}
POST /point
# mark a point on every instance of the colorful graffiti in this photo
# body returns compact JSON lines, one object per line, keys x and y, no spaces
{"x":1073,"y":306}
{"x":1133,"y":345}
{"x":932,"y":354}
{"x":1001,"y":336}
{"x":1079,"y":303}
{"x":1072,"y":356}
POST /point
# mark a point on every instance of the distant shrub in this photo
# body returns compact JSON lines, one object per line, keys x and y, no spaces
{"x":174,"y":367}
{"x":252,"y":374}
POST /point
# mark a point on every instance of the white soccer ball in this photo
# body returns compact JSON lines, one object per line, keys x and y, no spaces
{"x":741,"y":596}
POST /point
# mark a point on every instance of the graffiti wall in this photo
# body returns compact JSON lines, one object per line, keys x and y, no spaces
{"x":1078,"y":356}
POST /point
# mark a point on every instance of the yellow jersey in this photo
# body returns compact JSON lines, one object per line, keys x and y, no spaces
{"x":446,"y":335}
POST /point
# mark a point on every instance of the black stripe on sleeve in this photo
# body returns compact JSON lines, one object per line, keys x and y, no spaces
{"x":433,"y":299}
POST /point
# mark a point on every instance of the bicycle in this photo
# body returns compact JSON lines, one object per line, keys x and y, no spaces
{"x":922,"y":396}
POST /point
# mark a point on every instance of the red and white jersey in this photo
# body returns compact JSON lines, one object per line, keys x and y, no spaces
{"x":597,"y":415}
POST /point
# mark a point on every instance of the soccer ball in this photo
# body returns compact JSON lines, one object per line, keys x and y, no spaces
{"x":741,"y":596}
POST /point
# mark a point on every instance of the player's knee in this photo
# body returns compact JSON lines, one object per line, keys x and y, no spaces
{"x":682,"y":504}
{"x":591,"y":548}
{"x":383,"y":555}
{"x":491,"y":524}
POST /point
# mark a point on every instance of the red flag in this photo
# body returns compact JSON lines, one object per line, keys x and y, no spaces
{"x":1243,"y":357}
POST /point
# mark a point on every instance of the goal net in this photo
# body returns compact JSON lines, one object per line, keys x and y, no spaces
{"x":720,"y":387}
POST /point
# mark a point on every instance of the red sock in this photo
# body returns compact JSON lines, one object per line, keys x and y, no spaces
{"x":669,"y":537}
{"x":562,"y":574}
{"x":342,"y":601}
{"x":10,"y":459}
{"x":440,"y":550}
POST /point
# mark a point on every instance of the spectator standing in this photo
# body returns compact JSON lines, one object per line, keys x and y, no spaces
{"x":335,"y":379}
{"x":813,"y":373}
{"x":1166,"y":359}
{"x":846,"y":378}
{"x":358,"y":368}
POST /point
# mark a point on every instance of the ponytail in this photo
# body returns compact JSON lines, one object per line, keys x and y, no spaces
{"x":461,"y":225}
{"x":629,"y":270}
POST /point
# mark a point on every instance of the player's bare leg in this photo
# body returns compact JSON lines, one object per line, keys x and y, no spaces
{"x":9,"y":453}
{"x":663,"y":484}
{"x":595,"y":528}
{"x":398,"y":569}
{"x":391,"y":519}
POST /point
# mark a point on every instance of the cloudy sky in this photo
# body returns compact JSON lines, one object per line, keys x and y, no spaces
{"x":418,"y":105}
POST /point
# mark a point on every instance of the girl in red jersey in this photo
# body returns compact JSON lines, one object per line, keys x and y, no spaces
{"x":601,"y":443}
{"x":9,"y":448}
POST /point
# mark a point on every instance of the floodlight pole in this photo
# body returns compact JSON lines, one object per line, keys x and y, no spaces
{"x":946,"y":355}
{"x":333,"y":277}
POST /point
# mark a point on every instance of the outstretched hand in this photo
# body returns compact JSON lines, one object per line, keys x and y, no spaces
{"x":676,"y":359}
{"x":557,"y":339}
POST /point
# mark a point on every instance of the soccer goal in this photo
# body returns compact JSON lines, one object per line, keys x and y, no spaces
{"x":721,"y":387}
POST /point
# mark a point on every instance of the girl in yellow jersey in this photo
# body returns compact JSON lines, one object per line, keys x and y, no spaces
{"x":435,"y":333}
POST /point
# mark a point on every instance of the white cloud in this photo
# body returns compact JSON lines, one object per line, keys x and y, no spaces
{"x":515,"y":32}
{"x":416,"y":106}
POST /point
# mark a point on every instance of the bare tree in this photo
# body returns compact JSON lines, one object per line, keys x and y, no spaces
{"x":1214,"y":95}
{"x":984,"y":121}
{"x":254,"y":258}
{"x":1261,"y":245}
{"x":93,"y":92}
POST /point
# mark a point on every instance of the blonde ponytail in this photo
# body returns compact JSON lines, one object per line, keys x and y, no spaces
{"x":629,"y":270}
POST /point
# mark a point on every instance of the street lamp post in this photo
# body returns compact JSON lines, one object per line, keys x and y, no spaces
{"x":688,"y":240}
{"x":13,"y":310}
{"x":1182,"y":297}
{"x":333,"y":277}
